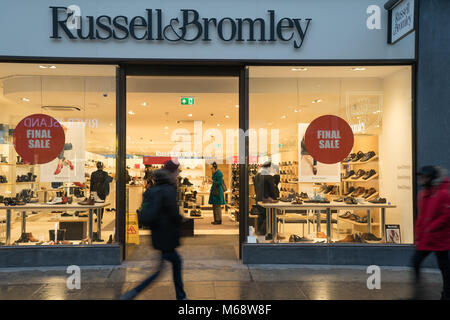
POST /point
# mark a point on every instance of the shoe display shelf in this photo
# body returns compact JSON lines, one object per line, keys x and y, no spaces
{"x":288,"y":171}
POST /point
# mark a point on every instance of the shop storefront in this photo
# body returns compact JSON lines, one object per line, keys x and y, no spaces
{"x":239,"y":84}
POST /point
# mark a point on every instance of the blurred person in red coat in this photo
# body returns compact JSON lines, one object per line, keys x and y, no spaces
{"x":432,"y":230}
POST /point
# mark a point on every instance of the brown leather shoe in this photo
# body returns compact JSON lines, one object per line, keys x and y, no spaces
{"x":348,"y":238}
{"x":321,"y":235}
{"x":87,"y":202}
{"x":31,"y":238}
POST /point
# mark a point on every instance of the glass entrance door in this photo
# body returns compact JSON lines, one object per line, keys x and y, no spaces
{"x":193,"y":121}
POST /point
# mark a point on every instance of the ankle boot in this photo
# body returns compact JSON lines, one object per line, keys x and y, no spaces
{"x":31,"y":238}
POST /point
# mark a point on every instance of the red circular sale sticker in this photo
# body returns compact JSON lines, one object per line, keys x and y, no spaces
{"x":39,"y":138}
{"x":329,"y":139}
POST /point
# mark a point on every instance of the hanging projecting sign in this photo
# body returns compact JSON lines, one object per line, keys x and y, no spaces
{"x":401,"y":19}
{"x":329,"y":139}
{"x":39,"y":139}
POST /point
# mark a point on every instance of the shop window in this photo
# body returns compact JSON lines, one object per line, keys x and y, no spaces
{"x":46,"y":168}
{"x":364,"y":198}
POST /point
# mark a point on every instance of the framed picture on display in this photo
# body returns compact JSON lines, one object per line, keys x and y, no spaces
{"x":393,"y":234}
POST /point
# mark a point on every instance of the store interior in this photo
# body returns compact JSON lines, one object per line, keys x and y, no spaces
{"x":195,"y":120}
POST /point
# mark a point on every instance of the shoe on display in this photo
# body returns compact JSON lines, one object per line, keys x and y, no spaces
{"x":369,"y":155}
{"x":296,"y":238}
{"x":23,"y":238}
{"x":350,"y":200}
{"x":378,"y":200}
{"x":346,"y":215}
{"x":358,"y":238}
{"x":359,"y":174}
{"x":110,"y":240}
{"x":297,"y":201}
{"x":369,"y":174}
{"x":369,"y":193}
{"x":358,"y":156}
{"x":349,"y":157}
{"x":339,"y":199}
{"x":370,"y":237}
{"x":348,"y":238}
{"x":87,"y":202}
{"x":359,"y":191}
{"x":56,"y":200}
{"x":321,"y":235}
{"x":349,"y":174}
{"x":31,"y":237}
{"x":65,"y":214}
{"x":268,"y":236}
{"x":349,"y":191}
{"x":269,"y":200}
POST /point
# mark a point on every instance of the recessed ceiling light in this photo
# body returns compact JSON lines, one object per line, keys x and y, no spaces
{"x":218,"y":124}
{"x":236,"y":106}
{"x":299,"y":69}
{"x":190,"y":115}
{"x":144,"y":104}
{"x":130,"y":112}
{"x":283,"y":117}
{"x":227,"y":116}
{"x":358,"y":69}
{"x":25,"y":99}
{"x":166,"y":127}
{"x":317,"y":101}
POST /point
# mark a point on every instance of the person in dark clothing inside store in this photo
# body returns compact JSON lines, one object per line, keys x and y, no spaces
{"x":432,"y":229}
{"x":162,"y":215}
{"x":265,"y":192}
{"x":99,"y":187}
{"x":276,"y":182}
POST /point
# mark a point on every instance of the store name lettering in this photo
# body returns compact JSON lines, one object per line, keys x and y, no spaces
{"x":39,"y":139}
{"x":188,"y":27}
{"x":329,"y":139}
{"x":403,"y":19}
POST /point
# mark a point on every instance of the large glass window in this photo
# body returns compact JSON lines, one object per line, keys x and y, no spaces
{"x":49,"y":203}
{"x":365,"y":198}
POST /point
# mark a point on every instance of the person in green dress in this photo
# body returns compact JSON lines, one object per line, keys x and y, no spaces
{"x":216,"y":195}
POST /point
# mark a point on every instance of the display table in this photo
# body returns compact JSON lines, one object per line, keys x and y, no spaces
{"x":271,"y":216}
{"x":49,"y":207}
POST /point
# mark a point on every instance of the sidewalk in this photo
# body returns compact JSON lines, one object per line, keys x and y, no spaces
{"x":218,"y":279}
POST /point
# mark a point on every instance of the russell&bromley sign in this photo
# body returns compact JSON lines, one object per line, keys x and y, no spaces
{"x":190,"y":26}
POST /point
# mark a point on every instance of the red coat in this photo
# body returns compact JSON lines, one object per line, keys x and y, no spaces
{"x":432,"y":231}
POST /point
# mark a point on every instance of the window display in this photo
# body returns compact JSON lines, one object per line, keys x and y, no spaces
{"x":348,"y":200}
{"x":57,"y":125}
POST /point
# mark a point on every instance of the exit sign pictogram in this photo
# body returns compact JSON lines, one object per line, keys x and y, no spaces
{"x":187,"y":101}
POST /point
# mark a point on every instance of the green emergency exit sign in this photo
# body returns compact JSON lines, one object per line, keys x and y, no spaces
{"x":187,"y":101}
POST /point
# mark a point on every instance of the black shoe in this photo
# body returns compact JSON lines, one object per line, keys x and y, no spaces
{"x":369,"y":174}
{"x":359,"y":174}
{"x":349,"y":174}
{"x":349,"y":191}
{"x":110,"y":240}
{"x":378,"y":200}
{"x":358,"y":156}
{"x":350,"y":157}
{"x":369,"y":155}
{"x":269,"y":236}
